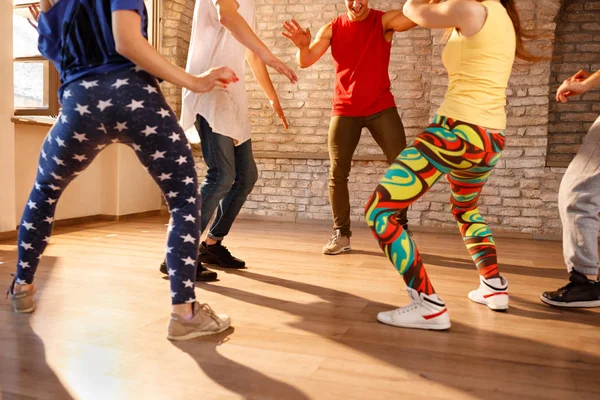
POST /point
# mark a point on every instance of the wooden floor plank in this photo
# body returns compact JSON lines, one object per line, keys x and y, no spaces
{"x":303,"y":323}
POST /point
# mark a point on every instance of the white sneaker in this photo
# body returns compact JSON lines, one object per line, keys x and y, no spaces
{"x":424,"y":312}
{"x":492,"y":292}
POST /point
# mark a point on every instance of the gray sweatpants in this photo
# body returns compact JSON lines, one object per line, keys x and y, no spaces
{"x":579,"y":205}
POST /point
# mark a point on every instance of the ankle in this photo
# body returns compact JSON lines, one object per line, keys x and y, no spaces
{"x":593,"y":278}
{"x":210,"y":242}
{"x":184,"y":311}
{"x":22,"y":288}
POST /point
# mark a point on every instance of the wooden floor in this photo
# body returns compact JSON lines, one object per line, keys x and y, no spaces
{"x":304,"y":324}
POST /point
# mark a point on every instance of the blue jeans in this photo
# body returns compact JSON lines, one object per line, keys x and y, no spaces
{"x":229,"y":180}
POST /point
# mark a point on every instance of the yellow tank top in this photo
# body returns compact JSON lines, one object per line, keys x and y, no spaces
{"x":478,"y":70}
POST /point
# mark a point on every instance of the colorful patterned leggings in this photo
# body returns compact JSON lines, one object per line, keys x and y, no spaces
{"x":464,"y":152}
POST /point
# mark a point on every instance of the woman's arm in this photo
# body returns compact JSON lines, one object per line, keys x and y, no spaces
{"x":131,"y":44}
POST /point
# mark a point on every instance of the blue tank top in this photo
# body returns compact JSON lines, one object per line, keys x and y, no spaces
{"x":76,"y":35}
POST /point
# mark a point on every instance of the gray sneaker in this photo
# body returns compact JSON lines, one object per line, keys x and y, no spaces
{"x":204,"y":322}
{"x":22,"y":301}
{"x":338,"y":243}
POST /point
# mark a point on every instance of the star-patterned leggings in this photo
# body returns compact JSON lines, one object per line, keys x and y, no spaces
{"x":125,"y":106}
{"x":466,"y":154}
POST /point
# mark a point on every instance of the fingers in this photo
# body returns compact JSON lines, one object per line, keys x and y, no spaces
{"x":32,"y":23}
{"x":284,"y":120}
{"x":289,"y":27}
{"x":290,"y":74}
{"x":227,"y":74}
{"x":581,"y":74}
{"x":296,"y":24}
{"x":287,"y":35}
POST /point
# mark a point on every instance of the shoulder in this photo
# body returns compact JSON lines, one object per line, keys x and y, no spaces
{"x":388,"y":16}
{"x":465,"y":7}
{"x":326,"y":31}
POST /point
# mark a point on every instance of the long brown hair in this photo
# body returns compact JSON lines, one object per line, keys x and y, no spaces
{"x":513,"y":13}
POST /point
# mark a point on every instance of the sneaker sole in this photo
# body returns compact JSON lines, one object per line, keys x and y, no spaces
{"x":195,"y":335}
{"x":342,"y":250}
{"x":489,"y":305}
{"x":573,"y":304}
{"x":436,"y":327}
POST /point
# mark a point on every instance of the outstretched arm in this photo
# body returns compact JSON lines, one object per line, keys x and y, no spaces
{"x":396,"y":21}
{"x":231,"y":19}
{"x":578,"y":84}
{"x":264,"y":80}
{"x":466,"y":15}
{"x":308,"y":53}
{"x":129,"y":42}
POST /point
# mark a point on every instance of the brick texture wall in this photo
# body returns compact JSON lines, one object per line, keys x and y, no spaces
{"x":177,"y":27}
{"x":577,"y":47}
{"x":522,"y":192}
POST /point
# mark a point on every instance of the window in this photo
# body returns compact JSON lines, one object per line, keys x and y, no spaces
{"x":36,"y":80}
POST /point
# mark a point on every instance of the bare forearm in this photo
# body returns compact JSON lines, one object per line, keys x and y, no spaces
{"x":593,"y":81}
{"x":259,"y":69}
{"x":241,"y":31}
{"x":305,"y":57}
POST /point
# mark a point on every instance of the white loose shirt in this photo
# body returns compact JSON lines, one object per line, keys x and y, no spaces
{"x":211,"y":45}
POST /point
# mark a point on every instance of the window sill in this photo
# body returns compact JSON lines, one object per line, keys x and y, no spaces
{"x":33,"y":120}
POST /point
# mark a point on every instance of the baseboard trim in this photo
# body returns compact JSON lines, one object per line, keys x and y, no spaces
{"x":12,"y":235}
{"x":415,"y":228}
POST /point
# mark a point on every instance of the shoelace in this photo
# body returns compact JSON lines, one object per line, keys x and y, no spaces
{"x":333,"y":238}
{"x":206,"y":308}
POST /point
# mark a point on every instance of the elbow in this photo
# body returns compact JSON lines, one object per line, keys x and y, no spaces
{"x":123,"y":47}
{"x":225,"y":18}
{"x":302,"y":63}
{"x":408,"y":10}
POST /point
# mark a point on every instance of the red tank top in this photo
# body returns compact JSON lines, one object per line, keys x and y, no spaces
{"x":361,"y":57}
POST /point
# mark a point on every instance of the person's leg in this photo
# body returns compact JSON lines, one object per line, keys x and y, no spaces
{"x":388,"y":131}
{"x":155,"y":135}
{"x":435,"y":152}
{"x":246,"y":175}
{"x":466,"y":187}
{"x":579,"y":205}
{"x":218,"y":152}
{"x":64,"y":154}
{"x":344,"y":135}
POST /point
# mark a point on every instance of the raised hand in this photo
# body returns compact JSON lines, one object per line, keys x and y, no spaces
{"x":293,"y":31}
{"x":34,"y":10}
{"x":570,"y":88}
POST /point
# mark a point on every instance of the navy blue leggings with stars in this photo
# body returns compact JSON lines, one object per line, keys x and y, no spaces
{"x":125,"y":106}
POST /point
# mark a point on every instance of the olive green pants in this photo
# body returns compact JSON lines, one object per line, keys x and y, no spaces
{"x":344,"y":135}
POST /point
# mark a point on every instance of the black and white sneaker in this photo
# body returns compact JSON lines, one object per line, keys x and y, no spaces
{"x":217,"y":254}
{"x":580,"y":292}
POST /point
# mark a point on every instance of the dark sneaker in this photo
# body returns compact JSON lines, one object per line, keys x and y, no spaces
{"x":217,"y":254}
{"x":580,"y":292}
{"x":202,"y":274}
